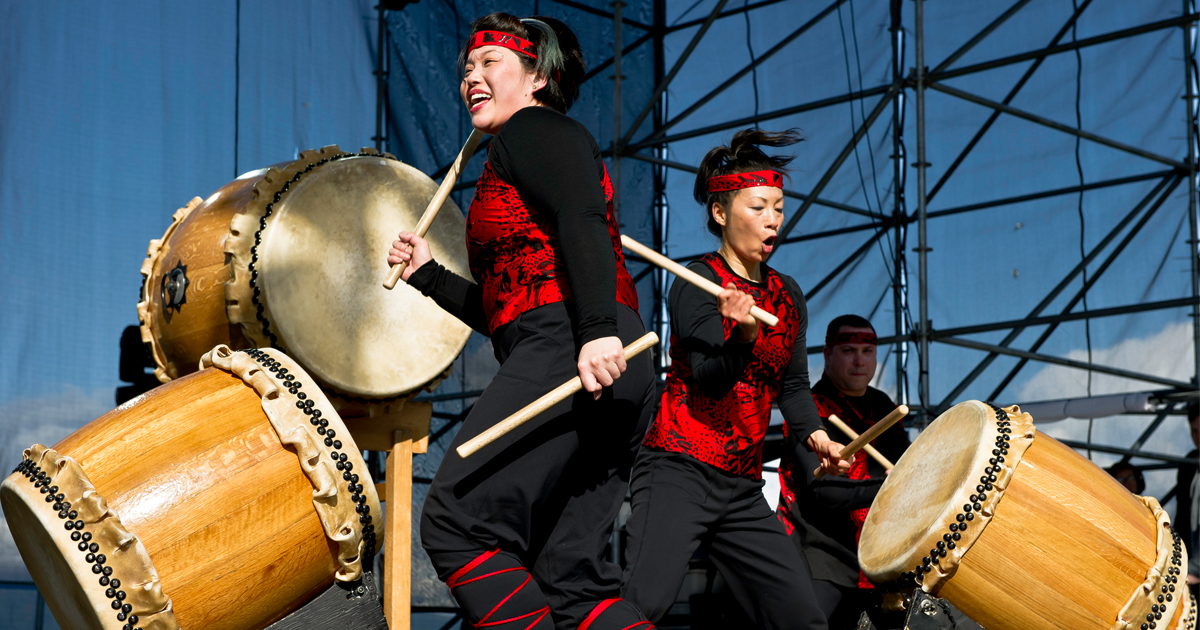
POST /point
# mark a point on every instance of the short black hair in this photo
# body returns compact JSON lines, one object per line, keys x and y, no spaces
{"x":742,"y":155}
{"x":853,"y":321}
{"x":563,"y":69}
{"x":1193,"y":411}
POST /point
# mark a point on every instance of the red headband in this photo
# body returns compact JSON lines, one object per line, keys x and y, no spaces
{"x":504,"y":40}
{"x":840,"y":338}
{"x":721,"y":183}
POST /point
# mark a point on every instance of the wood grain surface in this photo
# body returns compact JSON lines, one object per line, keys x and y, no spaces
{"x":1067,"y":547}
{"x":184,"y":335}
{"x":195,"y":470}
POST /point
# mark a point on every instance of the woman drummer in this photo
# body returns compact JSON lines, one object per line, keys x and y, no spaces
{"x":697,"y":481}
{"x":552,"y":292}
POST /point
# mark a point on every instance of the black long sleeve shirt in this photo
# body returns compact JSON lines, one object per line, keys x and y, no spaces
{"x":554,"y":164}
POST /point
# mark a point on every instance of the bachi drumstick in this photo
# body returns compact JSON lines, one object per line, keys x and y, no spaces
{"x":439,"y":198}
{"x":691,"y":276}
{"x":555,"y":396}
{"x":868,"y":435}
{"x":870,"y":450}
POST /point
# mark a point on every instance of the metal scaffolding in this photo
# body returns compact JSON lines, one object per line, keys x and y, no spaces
{"x":913,"y":333}
{"x":917,"y":333}
{"x":913,"y":330}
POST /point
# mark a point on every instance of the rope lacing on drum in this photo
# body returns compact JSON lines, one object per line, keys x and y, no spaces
{"x":963,"y":519}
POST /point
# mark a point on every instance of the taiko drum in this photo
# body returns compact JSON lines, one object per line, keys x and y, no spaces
{"x":210,"y":502}
{"x":1020,"y":532}
{"x":294,"y":257}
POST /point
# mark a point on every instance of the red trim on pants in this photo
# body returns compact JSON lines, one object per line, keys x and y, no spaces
{"x":601,"y":607}
{"x":456,"y":580}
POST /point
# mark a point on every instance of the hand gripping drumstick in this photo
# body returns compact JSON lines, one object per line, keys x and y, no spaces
{"x":547,"y":401}
{"x":691,"y":276}
{"x":871,"y":450}
{"x":868,"y":435}
{"x":439,"y":198}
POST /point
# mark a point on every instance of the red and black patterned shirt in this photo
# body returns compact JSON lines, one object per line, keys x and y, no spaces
{"x":717,"y":401}
{"x":540,"y":230}
{"x":516,"y":256}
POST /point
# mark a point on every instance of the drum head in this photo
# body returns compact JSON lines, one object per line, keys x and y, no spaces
{"x":74,"y":598}
{"x":323,"y":260}
{"x":924,"y":489}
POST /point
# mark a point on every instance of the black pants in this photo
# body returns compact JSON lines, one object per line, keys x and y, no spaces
{"x":545,"y":495}
{"x":680,"y":504}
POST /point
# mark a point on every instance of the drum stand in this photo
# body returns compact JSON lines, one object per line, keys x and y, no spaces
{"x":927,"y":612}
{"x":401,"y":434}
{"x":343,"y":606}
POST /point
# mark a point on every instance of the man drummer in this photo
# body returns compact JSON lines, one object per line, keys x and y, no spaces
{"x":825,"y":517}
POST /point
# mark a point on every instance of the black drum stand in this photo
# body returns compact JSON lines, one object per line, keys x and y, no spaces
{"x":343,"y":606}
{"x":927,"y":612}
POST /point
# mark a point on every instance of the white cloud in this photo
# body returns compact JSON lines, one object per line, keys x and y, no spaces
{"x":1168,"y":353}
{"x":48,"y":419}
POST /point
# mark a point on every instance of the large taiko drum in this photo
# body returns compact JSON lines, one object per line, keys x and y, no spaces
{"x":294,"y":257}
{"x":223,"y":500}
{"x":1022,"y":533}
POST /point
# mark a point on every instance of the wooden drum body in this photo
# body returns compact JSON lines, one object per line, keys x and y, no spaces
{"x":294,"y":257}
{"x":1020,"y":532}
{"x":210,"y":502}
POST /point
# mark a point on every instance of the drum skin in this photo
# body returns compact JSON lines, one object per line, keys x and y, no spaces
{"x":181,"y":335}
{"x":294,"y":257}
{"x":195,"y":469}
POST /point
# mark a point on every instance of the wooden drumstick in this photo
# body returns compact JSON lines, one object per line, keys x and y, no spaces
{"x":691,"y":276}
{"x":439,"y":198}
{"x":547,"y":401}
{"x":868,"y":435}
{"x":870,"y":450}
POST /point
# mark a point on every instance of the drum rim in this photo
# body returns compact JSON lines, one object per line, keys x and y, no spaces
{"x":251,"y":230}
{"x":1153,"y":599}
{"x":112,"y":544}
{"x":303,"y":418}
{"x":164,"y":369}
{"x":1008,"y":432}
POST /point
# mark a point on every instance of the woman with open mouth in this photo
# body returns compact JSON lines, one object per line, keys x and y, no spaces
{"x":697,"y":481}
{"x":518,"y":532}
